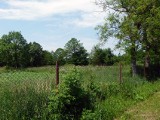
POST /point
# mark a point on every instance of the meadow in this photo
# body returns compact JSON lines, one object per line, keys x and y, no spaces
{"x":25,"y":94}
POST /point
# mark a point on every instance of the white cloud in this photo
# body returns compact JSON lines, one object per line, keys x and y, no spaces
{"x":30,"y":9}
{"x":90,"y":19}
{"x":42,"y":9}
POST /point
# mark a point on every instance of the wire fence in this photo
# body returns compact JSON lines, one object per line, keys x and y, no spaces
{"x":45,"y":78}
{"x":27,"y":91}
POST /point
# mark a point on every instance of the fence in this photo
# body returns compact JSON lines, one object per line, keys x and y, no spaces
{"x":44,"y":78}
{"x":25,"y":93}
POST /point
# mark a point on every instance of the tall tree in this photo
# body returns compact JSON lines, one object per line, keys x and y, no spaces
{"x":76,"y":53}
{"x":134,"y":23}
{"x":13,"y":49}
{"x":149,"y":15}
{"x":35,"y":53}
{"x":47,"y":58}
{"x":59,"y":55}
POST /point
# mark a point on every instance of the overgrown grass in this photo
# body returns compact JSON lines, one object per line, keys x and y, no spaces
{"x":22,"y":104}
{"x":120,"y":97}
{"x":24,"y":93}
{"x":148,"y":109}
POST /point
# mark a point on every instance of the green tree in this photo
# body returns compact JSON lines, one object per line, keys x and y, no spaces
{"x":100,"y":56}
{"x":122,"y":24}
{"x":97,"y":56}
{"x":149,"y":15}
{"x":75,"y":53}
{"x":135,"y":24}
{"x":47,"y":58}
{"x":59,"y":55}
{"x":13,"y":49}
{"x":109,"y":56}
{"x":2,"y":61}
{"x":35,"y":54}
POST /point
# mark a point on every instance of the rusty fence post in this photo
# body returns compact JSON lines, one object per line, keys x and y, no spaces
{"x":120,"y":73}
{"x":57,"y":73}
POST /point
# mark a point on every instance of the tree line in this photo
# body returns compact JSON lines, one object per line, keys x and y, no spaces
{"x":17,"y":53}
{"x":135,"y":23}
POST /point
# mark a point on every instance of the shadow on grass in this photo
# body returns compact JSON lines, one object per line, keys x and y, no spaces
{"x":151,"y":74}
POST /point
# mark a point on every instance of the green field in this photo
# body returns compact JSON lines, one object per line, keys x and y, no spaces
{"x":24,"y":93}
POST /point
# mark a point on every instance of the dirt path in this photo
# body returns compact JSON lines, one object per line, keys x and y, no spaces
{"x":147,"y":110}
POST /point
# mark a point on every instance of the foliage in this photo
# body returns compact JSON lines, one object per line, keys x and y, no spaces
{"x":75,"y":53}
{"x":69,"y":99}
{"x":35,"y":53}
{"x":13,"y":50}
{"x":59,"y":55}
{"x":47,"y":58}
{"x":119,"y":98}
{"x":136,"y":27}
{"x":97,"y":56}
{"x":101,"y":56}
{"x":24,"y":94}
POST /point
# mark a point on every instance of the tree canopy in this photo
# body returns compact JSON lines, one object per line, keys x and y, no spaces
{"x":59,"y":55}
{"x":35,"y":52}
{"x":75,"y":53}
{"x":135,"y":25}
{"x":17,"y":53}
{"x":13,"y":49}
{"x":101,"y":56}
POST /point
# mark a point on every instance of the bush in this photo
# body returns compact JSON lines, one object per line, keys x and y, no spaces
{"x":69,"y":99}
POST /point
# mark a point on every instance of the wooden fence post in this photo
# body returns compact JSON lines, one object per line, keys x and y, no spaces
{"x":57,"y":73}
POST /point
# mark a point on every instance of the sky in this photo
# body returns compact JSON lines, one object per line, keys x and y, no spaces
{"x":52,"y":23}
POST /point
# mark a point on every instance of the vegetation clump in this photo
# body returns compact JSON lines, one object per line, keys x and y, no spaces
{"x":69,"y":99}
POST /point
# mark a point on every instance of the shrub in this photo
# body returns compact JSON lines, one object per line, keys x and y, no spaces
{"x":69,"y":99}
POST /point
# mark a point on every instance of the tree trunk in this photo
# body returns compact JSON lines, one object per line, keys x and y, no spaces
{"x":147,"y":56}
{"x":133,"y":61}
{"x":146,"y":65}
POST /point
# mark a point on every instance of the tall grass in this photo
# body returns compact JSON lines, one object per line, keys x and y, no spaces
{"x":22,"y":104}
{"x":24,"y":93}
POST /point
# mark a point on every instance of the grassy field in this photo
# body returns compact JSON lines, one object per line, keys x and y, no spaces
{"x":44,"y":77}
{"x":24,"y":93}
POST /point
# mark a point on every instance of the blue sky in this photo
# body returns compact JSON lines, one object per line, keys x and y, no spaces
{"x":53,"y":22}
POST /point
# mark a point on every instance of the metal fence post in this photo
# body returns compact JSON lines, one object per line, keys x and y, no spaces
{"x":57,"y":73}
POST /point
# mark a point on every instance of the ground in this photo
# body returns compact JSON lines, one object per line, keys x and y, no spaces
{"x":146,"y":110}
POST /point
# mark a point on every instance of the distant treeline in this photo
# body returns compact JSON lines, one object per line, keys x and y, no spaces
{"x":16,"y":52}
